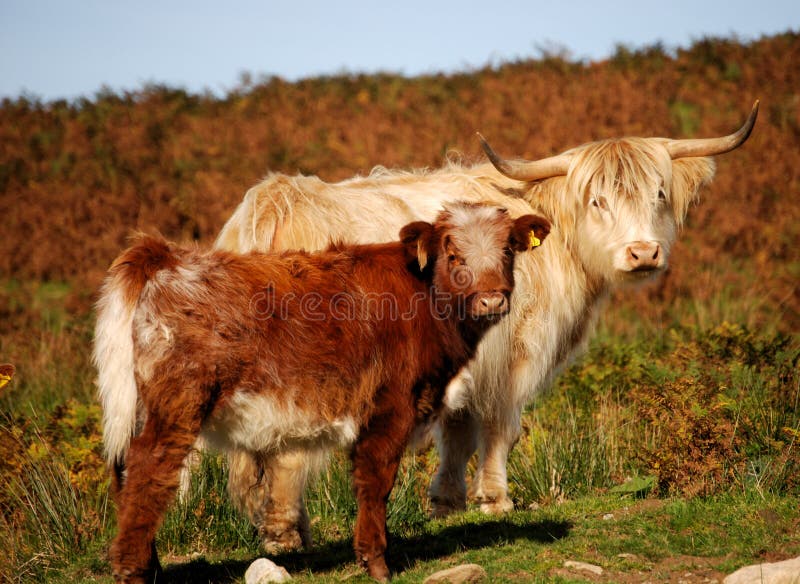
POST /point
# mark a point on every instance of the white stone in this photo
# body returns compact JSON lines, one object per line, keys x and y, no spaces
{"x":608,"y":516}
{"x":572,"y":565}
{"x":263,"y":571}
{"x":787,"y":572}
{"x":460,"y":574}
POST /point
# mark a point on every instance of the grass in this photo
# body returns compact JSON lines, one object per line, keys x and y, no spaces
{"x":53,"y":496}
{"x":676,"y":450}
{"x":627,"y":537}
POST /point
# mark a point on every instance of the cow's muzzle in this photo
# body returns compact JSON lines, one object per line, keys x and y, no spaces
{"x":644,"y":256}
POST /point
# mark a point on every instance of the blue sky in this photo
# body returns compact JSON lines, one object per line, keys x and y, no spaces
{"x":60,"y":49}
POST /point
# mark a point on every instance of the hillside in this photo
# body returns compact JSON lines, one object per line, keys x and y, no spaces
{"x":77,"y":178}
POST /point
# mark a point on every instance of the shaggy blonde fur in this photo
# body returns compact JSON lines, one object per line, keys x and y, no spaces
{"x":116,"y":385}
{"x":616,"y":193}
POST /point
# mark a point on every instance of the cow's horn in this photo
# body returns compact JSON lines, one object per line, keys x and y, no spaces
{"x":525,"y":170}
{"x":713,"y":146}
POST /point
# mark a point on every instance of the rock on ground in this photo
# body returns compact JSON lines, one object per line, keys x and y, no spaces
{"x":572,"y":565}
{"x":458,"y":575}
{"x":263,"y":571}
{"x":787,"y":572}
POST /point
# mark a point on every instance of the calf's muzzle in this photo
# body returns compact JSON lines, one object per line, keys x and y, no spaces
{"x":493,"y":303}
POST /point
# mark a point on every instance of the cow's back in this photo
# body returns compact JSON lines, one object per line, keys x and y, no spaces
{"x":303,"y":212}
{"x":283,"y":212}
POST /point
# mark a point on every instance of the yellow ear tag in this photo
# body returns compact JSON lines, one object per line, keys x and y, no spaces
{"x":533,"y":241}
{"x":6,"y":373}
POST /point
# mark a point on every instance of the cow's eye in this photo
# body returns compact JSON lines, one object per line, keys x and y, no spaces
{"x":662,"y":195}
{"x":598,"y":202}
{"x":452,"y":258}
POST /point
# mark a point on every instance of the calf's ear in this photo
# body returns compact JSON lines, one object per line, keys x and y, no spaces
{"x":528,"y":232}
{"x":416,"y":238}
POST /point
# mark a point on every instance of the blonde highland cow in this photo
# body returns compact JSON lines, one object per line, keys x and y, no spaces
{"x":615,"y":205}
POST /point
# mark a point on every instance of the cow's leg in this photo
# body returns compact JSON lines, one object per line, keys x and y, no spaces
{"x":490,"y":484}
{"x":190,"y":466}
{"x":270,"y":492}
{"x":456,"y":441}
{"x":247,"y":486}
{"x":284,"y":523}
{"x":499,"y":430}
{"x":376,"y":457}
{"x":153,"y":465}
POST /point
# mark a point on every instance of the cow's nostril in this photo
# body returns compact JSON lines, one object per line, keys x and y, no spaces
{"x":655,"y":255}
{"x":633,"y":254}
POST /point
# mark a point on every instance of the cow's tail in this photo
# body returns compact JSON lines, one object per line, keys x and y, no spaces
{"x":113,"y":340}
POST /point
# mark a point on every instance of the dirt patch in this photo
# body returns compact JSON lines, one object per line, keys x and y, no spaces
{"x":675,"y":569}
{"x":644,"y":506}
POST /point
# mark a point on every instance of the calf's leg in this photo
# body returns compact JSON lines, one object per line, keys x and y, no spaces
{"x":376,"y":457}
{"x":153,"y":464}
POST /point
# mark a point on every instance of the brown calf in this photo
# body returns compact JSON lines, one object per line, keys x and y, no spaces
{"x":274,"y":353}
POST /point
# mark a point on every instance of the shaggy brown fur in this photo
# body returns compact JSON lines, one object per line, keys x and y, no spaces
{"x":258,"y":353}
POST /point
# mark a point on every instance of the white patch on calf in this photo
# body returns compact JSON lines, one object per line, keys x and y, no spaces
{"x":262,"y":423}
{"x":476,"y":235}
{"x":153,"y":338}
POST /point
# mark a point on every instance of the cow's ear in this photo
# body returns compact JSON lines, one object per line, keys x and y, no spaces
{"x":416,"y":238}
{"x":688,"y":176}
{"x":528,"y":232}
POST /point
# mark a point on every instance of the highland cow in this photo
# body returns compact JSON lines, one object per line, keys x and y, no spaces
{"x":616,"y":206}
{"x":274,"y":354}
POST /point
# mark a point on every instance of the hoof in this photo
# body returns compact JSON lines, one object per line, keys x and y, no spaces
{"x":148,"y":576}
{"x":492,"y":501}
{"x":124,"y":573}
{"x":447,"y":497}
{"x":442,"y":507}
{"x":287,"y":541}
{"x":377,"y":569}
{"x":497,"y":507}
